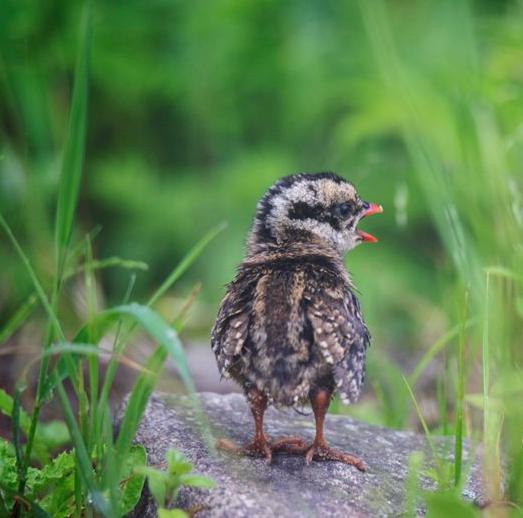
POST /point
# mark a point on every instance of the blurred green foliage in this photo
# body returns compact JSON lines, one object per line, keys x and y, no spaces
{"x":197,"y":107}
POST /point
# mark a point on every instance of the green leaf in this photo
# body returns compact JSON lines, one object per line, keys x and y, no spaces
{"x":177,"y":464}
{"x":8,"y":474}
{"x":157,"y":482}
{"x":6,"y":408}
{"x":55,"y":435}
{"x":52,"y":434}
{"x":164,"y":485}
{"x":172,"y":513}
{"x":197,"y":481}
{"x":32,"y":508}
{"x":53,"y":474}
{"x":449,"y":504}
{"x":132,"y":480}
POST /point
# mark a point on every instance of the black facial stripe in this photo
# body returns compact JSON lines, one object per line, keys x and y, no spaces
{"x":301,"y":210}
{"x":263,"y":230}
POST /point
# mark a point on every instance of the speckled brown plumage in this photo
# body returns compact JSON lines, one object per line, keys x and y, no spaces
{"x":290,"y":322}
{"x":290,"y":328}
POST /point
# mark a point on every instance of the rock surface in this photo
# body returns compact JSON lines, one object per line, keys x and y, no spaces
{"x":247,"y":487}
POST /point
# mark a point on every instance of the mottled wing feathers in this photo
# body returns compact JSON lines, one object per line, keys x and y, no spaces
{"x":330,"y":323}
{"x":341,"y":336}
{"x":232,"y":324}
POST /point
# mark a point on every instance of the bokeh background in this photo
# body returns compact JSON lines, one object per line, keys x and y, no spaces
{"x":195,"y":108}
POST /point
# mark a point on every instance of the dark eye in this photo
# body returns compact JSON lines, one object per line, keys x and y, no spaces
{"x":344,"y":209}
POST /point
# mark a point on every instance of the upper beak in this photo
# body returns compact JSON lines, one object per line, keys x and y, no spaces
{"x":372,"y":209}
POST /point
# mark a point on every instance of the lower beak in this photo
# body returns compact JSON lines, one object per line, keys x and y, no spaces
{"x":372,"y":208}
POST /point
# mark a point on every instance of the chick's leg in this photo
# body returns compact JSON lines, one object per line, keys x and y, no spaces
{"x":259,"y":446}
{"x":320,"y":400}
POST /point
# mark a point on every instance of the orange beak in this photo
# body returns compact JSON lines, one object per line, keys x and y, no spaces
{"x":373,"y":208}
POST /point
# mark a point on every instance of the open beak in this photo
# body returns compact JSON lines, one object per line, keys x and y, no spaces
{"x":369,"y":210}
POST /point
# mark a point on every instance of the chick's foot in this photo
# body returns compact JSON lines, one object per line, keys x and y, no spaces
{"x":321,"y":452}
{"x":259,"y":447}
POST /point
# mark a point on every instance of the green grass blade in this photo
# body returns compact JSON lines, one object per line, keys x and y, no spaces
{"x":110,"y":371}
{"x":17,"y":320}
{"x":78,"y":248}
{"x":161,"y":332}
{"x":486,"y":358}
{"x":36,"y":283}
{"x":186,"y":262}
{"x":82,"y":456}
{"x":16,"y":427}
{"x":110,"y":481}
{"x":23,"y":312}
{"x":460,"y":397}
{"x":93,"y":361}
{"x":420,"y":416}
{"x":110,"y":262}
{"x":103,"y":323}
{"x":436,"y":347}
{"x":77,"y":349}
{"x":137,"y":402}
{"x":411,"y":483}
{"x":501,"y":271}
{"x":67,"y":200}
{"x":435,"y":456}
{"x":73,"y":157}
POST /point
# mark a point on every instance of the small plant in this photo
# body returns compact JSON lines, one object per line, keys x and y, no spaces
{"x":98,"y":474}
{"x":165,"y":485}
{"x":50,"y":490}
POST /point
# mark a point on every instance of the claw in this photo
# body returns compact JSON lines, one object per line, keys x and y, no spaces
{"x":323,"y":452}
{"x":257,"y":448}
{"x":293,"y":446}
{"x":264,"y":448}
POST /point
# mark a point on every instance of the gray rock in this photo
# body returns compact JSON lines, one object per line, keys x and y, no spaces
{"x":247,"y":487}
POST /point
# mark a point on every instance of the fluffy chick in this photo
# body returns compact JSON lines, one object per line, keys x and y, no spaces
{"x":290,"y":328}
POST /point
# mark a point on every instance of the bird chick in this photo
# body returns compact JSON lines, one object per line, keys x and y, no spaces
{"x":290,"y":329}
